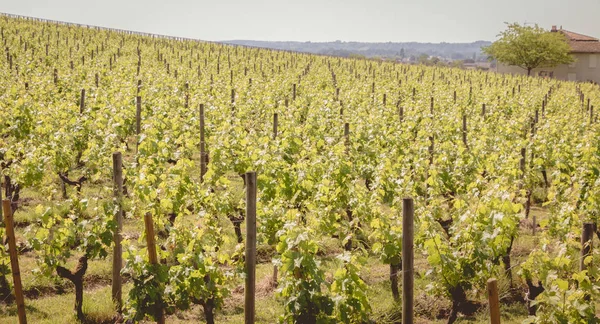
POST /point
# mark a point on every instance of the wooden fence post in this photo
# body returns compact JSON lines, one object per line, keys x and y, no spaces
{"x":408,"y":211}
{"x":202,"y":145}
{"x":250,"y":247}
{"x":14,"y":260}
{"x":492,"y":290}
{"x":152,"y":257}
{"x":118,"y":250}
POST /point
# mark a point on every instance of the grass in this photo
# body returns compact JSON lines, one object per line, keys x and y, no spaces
{"x":58,"y":309}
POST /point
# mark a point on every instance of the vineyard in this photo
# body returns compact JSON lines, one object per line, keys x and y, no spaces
{"x":131,"y":164}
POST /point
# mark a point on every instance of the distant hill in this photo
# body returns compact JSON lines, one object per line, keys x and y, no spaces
{"x":450,"y":51}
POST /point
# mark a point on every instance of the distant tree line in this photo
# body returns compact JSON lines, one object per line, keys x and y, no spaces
{"x":411,"y":51}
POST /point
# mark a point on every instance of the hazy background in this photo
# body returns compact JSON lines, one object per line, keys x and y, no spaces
{"x":319,"y":20}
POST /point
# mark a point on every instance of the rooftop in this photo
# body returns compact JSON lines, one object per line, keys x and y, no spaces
{"x":580,"y":43}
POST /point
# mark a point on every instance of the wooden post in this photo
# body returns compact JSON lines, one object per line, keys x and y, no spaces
{"x":96,"y":80}
{"x":401,"y":113}
{"x":118,"y":250}
{"x":14,"y":260}
{"x":152,"y":257}
{"x":55,"y":76}
{"x":275,"y":122}
{"x":82,"y":102}
{"x":347,"y":136}
{"x":431,"y":107}
{"x":464,"y":130}
{"x":492,"y":290}
{"x":294,"y":91}
{"x":138,"y":115}
{"x":543,"y":108}
{"x":588,"y":104}
{"x":138,"y":123}
{"x":202,"y":145}
{"x":408,"y":211}
{"x":483,"y":110}
{"x":586,"y":243}
{"x":250,"y":247}
{"x":431,"y":149}
{"x":1,"y":211}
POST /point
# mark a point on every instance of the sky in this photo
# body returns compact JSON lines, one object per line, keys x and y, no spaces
{"x":319,"y":20}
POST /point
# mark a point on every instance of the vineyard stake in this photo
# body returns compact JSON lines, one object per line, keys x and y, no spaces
{"x":250,"y":247}
{"x":153,"y":258}
{"x":431,"y":149}
{"x":275,"y":122}
{"x":431,"y":107}
{"x":586,"y":243}
{"x":138,"y":120}
{"x":202,"y":145}
{"x":492,"y":290}
{"x":293,"y":92}
{"x":464,"y":130}
{"x":118,"y":250}
{"x":14,"y":260}
{"x":408,"y":211}
{"x":347,"y":136}
{"x":82,"y":102}
{"x":1,"y":189}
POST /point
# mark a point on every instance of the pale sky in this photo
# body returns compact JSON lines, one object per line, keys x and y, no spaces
{"x":314,"y":20}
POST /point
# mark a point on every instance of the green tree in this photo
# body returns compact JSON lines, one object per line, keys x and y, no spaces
{"x":530,"y":47}
{"x":423,"y":59}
